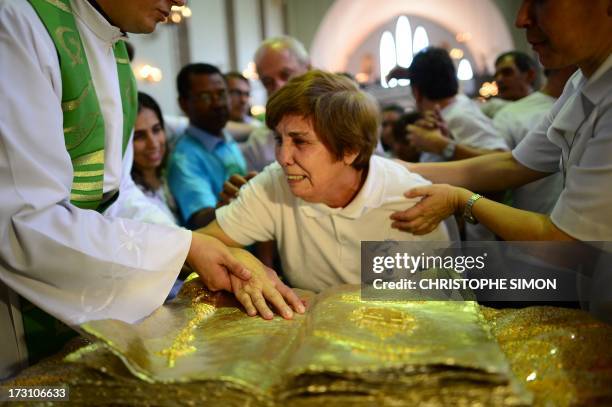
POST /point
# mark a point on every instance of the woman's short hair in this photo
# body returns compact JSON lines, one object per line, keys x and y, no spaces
{"x":344,"y":118}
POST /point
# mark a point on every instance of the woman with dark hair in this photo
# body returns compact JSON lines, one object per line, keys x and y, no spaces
{"x":401,"y":147}
{"x":150,"y":154}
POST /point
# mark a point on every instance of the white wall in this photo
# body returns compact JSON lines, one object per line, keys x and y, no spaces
{"x":248,"y":31}
{"x":158,"y":49}
{"x":208,"y":33}
{"x":208,"y":43}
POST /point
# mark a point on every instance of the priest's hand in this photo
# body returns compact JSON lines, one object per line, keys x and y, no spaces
{"x":214,"y":263}
{"x":232,"y":186}
{"x":262,"y":288}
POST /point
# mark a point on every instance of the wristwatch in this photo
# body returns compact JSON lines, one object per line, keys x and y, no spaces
{"x":467,"y":211}
{"x":449,"y":151}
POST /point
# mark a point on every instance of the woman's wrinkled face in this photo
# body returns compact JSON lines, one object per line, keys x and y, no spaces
{"x":149,"y":140}
{"x":312,"y":172}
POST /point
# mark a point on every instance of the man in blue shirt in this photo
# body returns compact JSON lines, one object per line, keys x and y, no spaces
{"x":205,"y":155}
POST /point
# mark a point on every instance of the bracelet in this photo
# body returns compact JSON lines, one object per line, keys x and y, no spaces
{"x":468,"y":216}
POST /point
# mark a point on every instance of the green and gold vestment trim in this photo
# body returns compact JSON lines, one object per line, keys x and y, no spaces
{"x":83,"y":121}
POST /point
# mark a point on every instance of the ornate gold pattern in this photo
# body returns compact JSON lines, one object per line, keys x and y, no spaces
{"x":562,"y":355}
{"x":181,"y":345}
{"x":79,"y":133}
{"x":383,"y":322}
{"x":89,"y":173}
{"x":97,"y":157}
{"x":75,"y":51}
{"x":87,"y":186}
{"x":84,"y":198}
{"x":75,"y":103}
{"x":59,"y":5}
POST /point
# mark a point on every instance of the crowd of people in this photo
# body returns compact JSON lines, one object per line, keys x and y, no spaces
{"x":100,"y":212}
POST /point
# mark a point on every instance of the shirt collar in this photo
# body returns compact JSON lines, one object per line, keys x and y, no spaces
{"x":208,"y":140}
{"x":456,"y":100}
{"x":598,"y":85}
{"x":96,"y":22}
{"x":587,"y":94}
{"x":369,"y":196}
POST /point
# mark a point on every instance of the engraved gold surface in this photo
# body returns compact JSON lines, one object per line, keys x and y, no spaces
{"x":304,"y":362}
{"x":564,"y":356}
{"x":342,"y":346}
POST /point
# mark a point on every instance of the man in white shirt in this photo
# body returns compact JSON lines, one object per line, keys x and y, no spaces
{"x":433,"y":81}
{"x":80,"y":264}
{"x":277,"y":60}
{"x":574,"y":139}
{"x":515,"y":120}
{"x":515,"y":75}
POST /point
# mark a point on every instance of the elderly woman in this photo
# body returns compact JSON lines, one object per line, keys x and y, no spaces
{"x":326,"y":192}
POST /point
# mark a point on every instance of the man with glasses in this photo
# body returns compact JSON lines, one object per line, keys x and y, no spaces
{"x":205,"y":156}
{"x":240,"y":123}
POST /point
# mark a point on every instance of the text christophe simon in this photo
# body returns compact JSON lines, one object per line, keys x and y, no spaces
{"x":412,"y":264}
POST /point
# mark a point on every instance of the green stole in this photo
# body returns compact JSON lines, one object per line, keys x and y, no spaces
{"x":84,"y":140}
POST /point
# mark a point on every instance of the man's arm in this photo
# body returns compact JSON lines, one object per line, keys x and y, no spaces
{"x":432,"y":141}
{"x":488,"y":173}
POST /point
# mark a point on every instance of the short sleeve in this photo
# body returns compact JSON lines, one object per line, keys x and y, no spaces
{"x":536,"y":151}
{"x":251,"y":216}
{"x":505,"y":123}
{"x":583,"y":209}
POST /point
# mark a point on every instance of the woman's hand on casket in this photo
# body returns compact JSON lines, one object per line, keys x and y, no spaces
{"x":262,"y":288}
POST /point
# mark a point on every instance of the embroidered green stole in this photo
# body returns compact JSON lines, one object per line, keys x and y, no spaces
{"x":84,"y":139}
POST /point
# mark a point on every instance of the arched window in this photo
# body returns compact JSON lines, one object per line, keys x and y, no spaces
{"x":399,"y":50}
{"x":388,"y":59}
{"x":464,"y":70}
{"x":421,"y":40}
{"x":403,"y":42}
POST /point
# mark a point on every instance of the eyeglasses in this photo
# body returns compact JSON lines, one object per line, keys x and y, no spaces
{"x":239,"y":93}
{"x":208,"y":97}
